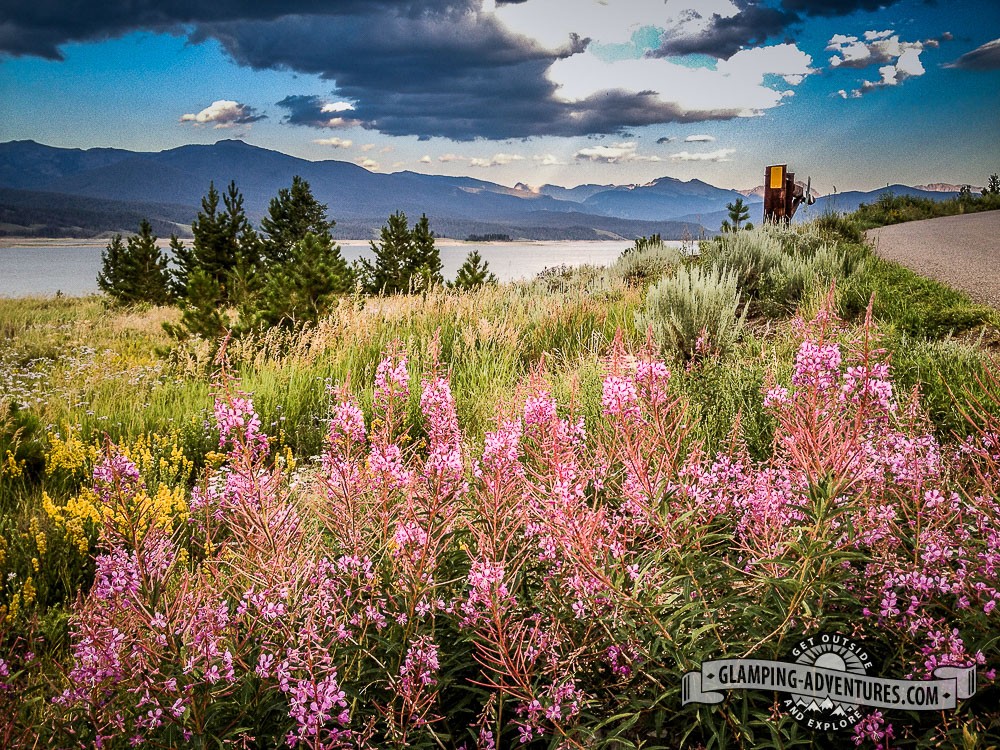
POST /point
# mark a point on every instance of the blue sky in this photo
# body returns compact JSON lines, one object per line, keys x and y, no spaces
{"x":855,"y":93}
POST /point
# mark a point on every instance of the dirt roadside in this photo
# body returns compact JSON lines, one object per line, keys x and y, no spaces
{"x":962,"y":251}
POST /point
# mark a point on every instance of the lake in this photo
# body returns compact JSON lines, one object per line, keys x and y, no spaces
{"x":72,"y":270}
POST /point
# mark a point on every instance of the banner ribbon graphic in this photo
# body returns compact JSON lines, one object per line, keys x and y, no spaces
{"x":950,"y":684}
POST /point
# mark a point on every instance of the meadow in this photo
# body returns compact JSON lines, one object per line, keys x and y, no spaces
{"x":511,"y":516}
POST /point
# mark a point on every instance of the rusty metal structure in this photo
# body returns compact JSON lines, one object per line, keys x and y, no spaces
{"x":782,"y":195}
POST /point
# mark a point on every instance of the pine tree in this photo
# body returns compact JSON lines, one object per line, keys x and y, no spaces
{"x":136,"y":271}
{"x":203,"y":313}
{"x":184,"y":264}
{"x":738,"y":213}
{"x":404,"y":260}
{"x":305,"y":288}
{"x":386,"y":275}
{"x":113,"y":271}
{"x":223,"y":239}
{"x":993,"y":187}
{"x":292,"y":214}
{"x":473,"y":273}
{"x":424,"y":263}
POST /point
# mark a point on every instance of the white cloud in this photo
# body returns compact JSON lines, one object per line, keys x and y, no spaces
{"x":552,"y":21}
{"x":756,"y":62}
{"x":872,"y":36}
{"x":445,"y":158}
{"x":223,"y":113}
{"x":699,"y":139}
{"x":736,"y":85}
{"x":613,"y":154}
{"x":722,"y":154}
{"x":547,"y":160}
{"x":336,"y":107}
{"x":369,"y":164}
{"x":497,"y":160}
{"x":367,"y":147}
{"x":425,"y":159}
{"x":897,"y":60}
{"x":335,"y":142}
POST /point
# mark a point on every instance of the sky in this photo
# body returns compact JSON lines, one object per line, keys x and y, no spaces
{"x":857,"y":94}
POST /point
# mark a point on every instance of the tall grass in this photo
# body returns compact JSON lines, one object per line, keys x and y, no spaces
{"x":74,"y":374}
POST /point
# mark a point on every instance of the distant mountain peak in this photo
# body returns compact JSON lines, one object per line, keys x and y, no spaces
{"x":945,"y":187}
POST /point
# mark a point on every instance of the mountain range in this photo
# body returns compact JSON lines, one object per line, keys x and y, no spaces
{"x":49,"y":191}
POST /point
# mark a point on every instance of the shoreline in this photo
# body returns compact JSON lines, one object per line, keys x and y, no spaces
{"x":164,"y":242}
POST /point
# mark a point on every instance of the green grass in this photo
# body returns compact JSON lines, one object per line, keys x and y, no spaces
{"x":896,"y":209}
{"x":910,"y":303}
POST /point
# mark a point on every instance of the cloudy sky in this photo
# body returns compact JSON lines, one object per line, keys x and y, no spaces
{"x":856,"y":93}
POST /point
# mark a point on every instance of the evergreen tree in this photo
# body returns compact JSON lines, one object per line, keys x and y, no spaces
{"x":203,"y":313}
{"x":113,"y":271}
{"x":386,"y":274}
{"x":473,"y":273}
{"x":993,"y":187}
{"x":305,"y":288}
{"x":738,"y":213}
{"x":223,"y":239}
{"x":424,"y":262}
{"x":404,"y":258}
{"x":136,"y":271}
{"x":293,"y":214}
{"x":183,"y":265}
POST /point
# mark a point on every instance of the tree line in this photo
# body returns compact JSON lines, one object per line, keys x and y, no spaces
{"x":286,"y":272}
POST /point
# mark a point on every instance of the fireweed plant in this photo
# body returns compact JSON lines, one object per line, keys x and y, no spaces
{"x":547,"y":588}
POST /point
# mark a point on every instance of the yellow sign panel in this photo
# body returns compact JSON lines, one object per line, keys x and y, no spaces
{"x":778,"y":177}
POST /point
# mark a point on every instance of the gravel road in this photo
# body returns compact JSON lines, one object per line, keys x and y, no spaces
{"x":962,"y":251}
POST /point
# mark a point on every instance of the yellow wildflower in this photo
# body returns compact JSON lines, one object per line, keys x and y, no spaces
{"x":12,"y":467}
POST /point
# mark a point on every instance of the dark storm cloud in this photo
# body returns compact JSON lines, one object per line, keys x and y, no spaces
{"x":831,"y":8}
{"x":308,"y":110}
{"x":986,"y":57}
{"x":724,"y":37}
{"x":465,"y":79}
{"x":410,"y":67}
{"x":39,"y":27}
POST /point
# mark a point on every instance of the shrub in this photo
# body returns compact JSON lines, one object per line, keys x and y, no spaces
{"x":646,"y":262}
{"x":751,"y":256}
{"x":787,"y":284}
{"x":776,"y":266}
{"x":839,"y":226}
{"x":696,"y":310}
{"x":565,"y":278}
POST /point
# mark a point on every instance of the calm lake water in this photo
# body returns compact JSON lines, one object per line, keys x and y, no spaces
{"x":27,"y":271}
